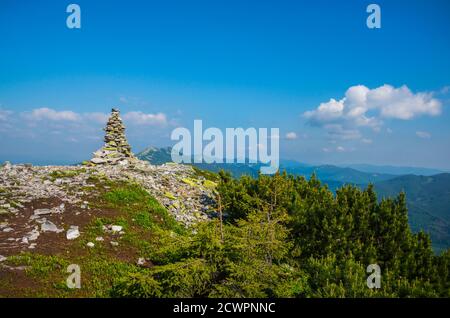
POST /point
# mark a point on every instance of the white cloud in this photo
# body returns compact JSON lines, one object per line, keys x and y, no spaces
{"x":338,"y":131}
{"x":291,"y":135}
{"x":337,"y":149}
{"x":4,"y":114}
{"x":366,"y":141}
{"x":134,"y":117}
{"x":364,"y":107}
{"x":326,"y":112}
{"x":101,"y":118}
{"x":401,"y":103}
{"x":423,"y":134}
{"x":141,"y":118}
{"x":51,"y":114}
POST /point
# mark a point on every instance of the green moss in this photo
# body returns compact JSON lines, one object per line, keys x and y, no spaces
{"x":40,"y":266}
{"x":58,"y":174}
{"x":209,"y":184}
{"x":170,"y":196}
{"x":189,"y":181}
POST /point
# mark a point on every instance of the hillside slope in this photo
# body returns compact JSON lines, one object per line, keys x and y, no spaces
{"x":428,"y":200}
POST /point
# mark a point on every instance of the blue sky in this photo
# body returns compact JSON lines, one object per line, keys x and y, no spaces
{"x":232,"y":64}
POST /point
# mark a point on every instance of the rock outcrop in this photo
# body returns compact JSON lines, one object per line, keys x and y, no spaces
{"x":116,"y":149}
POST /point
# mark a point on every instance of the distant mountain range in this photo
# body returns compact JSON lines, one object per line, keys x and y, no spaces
{"x":428,"y":199}
{"x":394,"y":170}
{"x":427,"y":190}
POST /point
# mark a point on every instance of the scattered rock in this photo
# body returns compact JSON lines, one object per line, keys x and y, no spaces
{"x":33,"y":235}
{"x":72,"y":232}
{"x":141,"y":261}
{"x":116,"y":228}
{"x":48,"y":226}
{"x":2,"y":258}
{"x":114,"y":243}
{"x":42,"y":211}
{"x":99,"y":239}
{"x":90,"y":244}
{"x":113,"y":229}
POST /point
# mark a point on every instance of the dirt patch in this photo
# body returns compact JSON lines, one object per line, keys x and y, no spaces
{"x":19,"y":226}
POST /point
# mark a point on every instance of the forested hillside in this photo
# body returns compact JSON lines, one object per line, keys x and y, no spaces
{"x":285,"y":236}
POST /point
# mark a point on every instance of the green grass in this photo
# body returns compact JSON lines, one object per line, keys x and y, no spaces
{"x":58,"y":174}
{"x":208,"y":175}
{"x":149,"y":231}
{"x":39,"y":266}
{"x":138,"y":204}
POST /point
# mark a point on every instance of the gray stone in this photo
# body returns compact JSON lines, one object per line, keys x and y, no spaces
{"x":42,"y":211}
{"x":97,"y":160}
{"x":32,"y":235}
{"x":141,"y":261}
{"x":116,"y":228}
{"x":72,"y":233}
{"x":48,"y":226}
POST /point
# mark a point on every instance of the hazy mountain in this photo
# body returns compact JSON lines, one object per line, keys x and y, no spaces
{"x":339,"y":174}
{"x":394,"y":170}
{"x":428,"y":199}
{"x":330,"y":173}
{"x":156,"y":156}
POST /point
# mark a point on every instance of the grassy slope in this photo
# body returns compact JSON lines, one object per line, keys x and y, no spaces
{"x":149,"y":233}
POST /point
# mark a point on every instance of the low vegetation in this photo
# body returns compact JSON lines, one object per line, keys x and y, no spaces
{"x":279,"y":236}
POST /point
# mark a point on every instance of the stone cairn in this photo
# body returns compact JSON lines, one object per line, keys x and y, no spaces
{"x":116,"y":149}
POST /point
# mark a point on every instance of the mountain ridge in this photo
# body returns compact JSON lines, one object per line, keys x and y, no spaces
{"x":428,"y":196}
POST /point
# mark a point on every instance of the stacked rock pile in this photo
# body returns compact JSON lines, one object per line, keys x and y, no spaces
{"x":116,"y":149}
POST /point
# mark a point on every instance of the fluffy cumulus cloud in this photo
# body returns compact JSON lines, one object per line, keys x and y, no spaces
{"x":50,"y":124}
{"x":51,"y":114}
{"x":365,"y":107}
{"x":101,"y":118}
{"x":141,"y":118}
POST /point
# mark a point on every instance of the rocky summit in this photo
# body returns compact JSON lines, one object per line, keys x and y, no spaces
{"x":116,"y":149}
{"x":43,"y":206}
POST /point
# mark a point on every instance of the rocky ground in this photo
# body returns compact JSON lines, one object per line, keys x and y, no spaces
{"x":42,"y":207}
